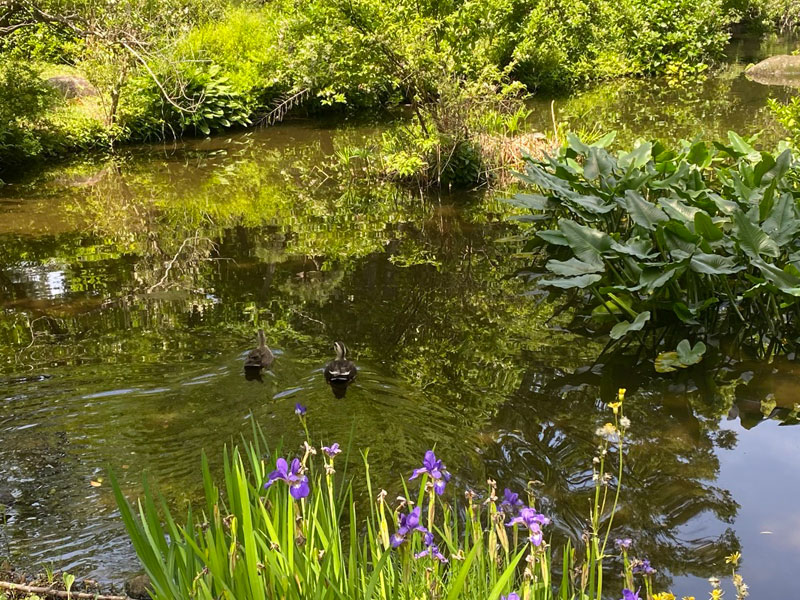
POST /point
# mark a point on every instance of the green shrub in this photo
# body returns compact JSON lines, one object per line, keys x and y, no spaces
{"x":24,"y":100}
{"x":788,"y":114}
{"x":661,"y":242}
{"x":677,"y":36}
{"x":200,"y":101}
{"x":246,"y":46}
{"x":565,"y":43}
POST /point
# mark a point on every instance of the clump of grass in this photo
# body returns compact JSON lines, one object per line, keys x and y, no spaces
{"x":299,"y":531}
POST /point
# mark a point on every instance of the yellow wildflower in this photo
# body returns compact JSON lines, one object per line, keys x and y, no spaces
{"x":621,"y":394}
{"x":664,"y":596}
{"x":716,"y":594}
{"x":688,"y":598}
{"x":615,"y":406}
{"x":733,"y":559}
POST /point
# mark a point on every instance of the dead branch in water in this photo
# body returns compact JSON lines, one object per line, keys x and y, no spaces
{"x":43,"y":591}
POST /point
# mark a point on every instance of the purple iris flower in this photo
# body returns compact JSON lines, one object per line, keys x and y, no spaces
{"x":408,"y":523}
{"x":297,"y":482}
{"x":299,"y":410}
{"x":431,"y":549}
{"x":331,"y":450}
{"x":642,"y":567}
{"x":433,"y":552}
{"x":511,"y":596}
{"x":533,"y":522}
{"x":623,"y":544}
{"x":630,"y":595}
{"x":511,"y":501}
{"x":435,"y":469}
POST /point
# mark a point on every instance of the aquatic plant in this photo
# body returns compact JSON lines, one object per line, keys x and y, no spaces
{"x":256,"y":539}
{"x":253,"y":539}
{"x":699,"y":242}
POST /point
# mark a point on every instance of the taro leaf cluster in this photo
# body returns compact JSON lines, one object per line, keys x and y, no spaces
{"x":700,"y":240}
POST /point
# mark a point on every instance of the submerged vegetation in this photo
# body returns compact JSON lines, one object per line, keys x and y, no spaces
{"x":301,"y":530}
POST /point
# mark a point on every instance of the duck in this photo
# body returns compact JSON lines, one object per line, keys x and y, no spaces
{"x":261,"y":357}
{"x":340,"y":370}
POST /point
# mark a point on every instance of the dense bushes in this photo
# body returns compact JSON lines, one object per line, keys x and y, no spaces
{"x":658,"y":241}
{"x":24,"y":98}
{"x":168,"y":66}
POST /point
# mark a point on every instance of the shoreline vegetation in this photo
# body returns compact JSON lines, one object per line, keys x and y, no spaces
{"x":293,"y":528}
{"x":78,"y":77}
{"x":296,"y":528}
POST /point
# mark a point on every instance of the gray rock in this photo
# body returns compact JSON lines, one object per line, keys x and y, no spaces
{"x":72,"y":86}
{"x":783,"y":69}
{"x":6,"y":498}
{"x":136,"y":587}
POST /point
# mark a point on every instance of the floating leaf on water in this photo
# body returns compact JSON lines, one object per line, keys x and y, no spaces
{"x":95,"y":483}
{"x":666,"y":362}
{"x":689,"y":355}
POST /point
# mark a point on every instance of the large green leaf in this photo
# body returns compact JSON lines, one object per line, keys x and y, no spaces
{"x":655,"y":277}
{"x":597,"y":163}
{"x":636,"y":158}
{"x":643,"y":213}
{"x":587,"y":243}
{"x":640,"y":248}
{"x":785,"y":279}
{"x":705,"y":227}
{"x":782,"y":224}
{"x":530,"y":201}
{"x":553,"y":236}
{"x":574,"y":266}
{"x":752,"y":240}
{"x":566,"y":283}
{"x":677,"y":210}
{"x":592,"y":204}
{"x":624,"y":327}
{"x":742,"y":147}
{"x":714,"y":264}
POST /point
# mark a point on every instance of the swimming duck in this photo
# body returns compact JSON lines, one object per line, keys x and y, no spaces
{"x":260,"y":357}
{"x":340,"y":370}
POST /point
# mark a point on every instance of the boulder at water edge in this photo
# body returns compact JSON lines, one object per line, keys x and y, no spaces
{"x":783,"y":69}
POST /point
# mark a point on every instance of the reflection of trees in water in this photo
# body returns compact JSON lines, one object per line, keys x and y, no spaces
{"x":546,"y":433}
{"x":417,"y":286}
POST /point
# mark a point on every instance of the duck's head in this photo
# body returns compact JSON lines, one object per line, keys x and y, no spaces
{"x":340,"y":349}
{"x":262,"y":339}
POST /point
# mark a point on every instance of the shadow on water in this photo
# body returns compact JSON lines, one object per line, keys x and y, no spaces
{"x":129,"y":297}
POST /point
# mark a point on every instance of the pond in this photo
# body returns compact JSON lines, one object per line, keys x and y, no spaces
{"x":131,"y":290}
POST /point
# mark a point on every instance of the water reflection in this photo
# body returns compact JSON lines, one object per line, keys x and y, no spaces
{"x":129,"y":295}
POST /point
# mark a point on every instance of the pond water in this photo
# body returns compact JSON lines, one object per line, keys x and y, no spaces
{"x":130,"y":291}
